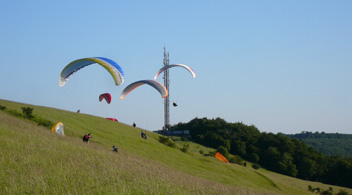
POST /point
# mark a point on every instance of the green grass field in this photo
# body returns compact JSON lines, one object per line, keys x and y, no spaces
{"x":34,"y":160}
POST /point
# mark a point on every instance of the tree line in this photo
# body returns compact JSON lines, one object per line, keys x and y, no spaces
{"x":327,"y":143}
{"x":275,"y":152}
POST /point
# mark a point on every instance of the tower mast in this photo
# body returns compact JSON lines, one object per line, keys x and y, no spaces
{"x":166,"y":100}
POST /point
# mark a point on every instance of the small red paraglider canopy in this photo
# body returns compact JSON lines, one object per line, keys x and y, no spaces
{"x":106,"y":96}
{"x":113,"y":119}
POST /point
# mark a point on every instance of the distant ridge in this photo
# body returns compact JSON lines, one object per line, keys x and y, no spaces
{"x":328,"y":143}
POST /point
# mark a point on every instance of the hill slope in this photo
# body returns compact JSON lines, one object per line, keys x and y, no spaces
{"x":35,"y":160}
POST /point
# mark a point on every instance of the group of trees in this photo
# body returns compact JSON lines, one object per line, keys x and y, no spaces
{"x":276,"y":152}
{"x":327,"y":143}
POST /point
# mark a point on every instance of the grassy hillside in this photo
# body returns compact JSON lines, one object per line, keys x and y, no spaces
{"x":35,"y":160}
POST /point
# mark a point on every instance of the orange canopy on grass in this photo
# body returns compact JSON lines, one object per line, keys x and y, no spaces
{"x":219,"y":156}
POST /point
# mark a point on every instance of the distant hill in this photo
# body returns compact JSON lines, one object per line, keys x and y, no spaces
{"x":327,"y":143}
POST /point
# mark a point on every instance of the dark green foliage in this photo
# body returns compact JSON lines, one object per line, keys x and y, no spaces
{"x":276,"y":152}
{"x":163,"y":139}
{"x":326,"y":192}
{"x":211,"y":153}
{"x":271,"y":158}
{"x":310,"y":188}
{"x":223,"y":151}
{"x":254,"y":157}
{"x":185,"y":148}
{"x":238,"y":147}
{"x":167,"y":141}
{"x":27,"y":112}
{"x":214,"y":140}
{"x":328,"y":143}
{"x":287,"y":166}
{"x":337,"y":170}
{"x":2,"y":107}
{"x":236,"y":159}
{"x":43,"y":122}
{"x":317,"y":189}
{"x":255,"y":166}
{"x":201,"y":152}
{"x":342,"y":192}
{"x":329,"y":191}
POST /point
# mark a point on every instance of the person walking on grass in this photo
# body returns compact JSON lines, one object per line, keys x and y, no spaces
{"x":87,"y":137}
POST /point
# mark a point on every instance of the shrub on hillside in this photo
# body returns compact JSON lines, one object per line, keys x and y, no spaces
{"x":236,"y":159}
{"x":185,"y":148}
{"x":255,"y":166}
{"x":310,"y":188}
{"x":342,"y":192}
{"x":329,"y":191}
{"x":211,"y":153}
{"x":27,"y":112}
{"x":167,"y":141}
{"x":223,"y":151}
{"x":326,"y":192}
{"x":184,"y":139}
{"x":43,"y":122}
{"x":2,"y":107}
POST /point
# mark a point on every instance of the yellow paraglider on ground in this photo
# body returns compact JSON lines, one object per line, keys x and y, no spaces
{"x":58,"y":128}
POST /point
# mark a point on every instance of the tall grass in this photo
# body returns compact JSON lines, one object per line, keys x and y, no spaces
{"x":35,"y":160}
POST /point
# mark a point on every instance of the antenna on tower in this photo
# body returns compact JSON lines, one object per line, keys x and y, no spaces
{"x":166,"y":100}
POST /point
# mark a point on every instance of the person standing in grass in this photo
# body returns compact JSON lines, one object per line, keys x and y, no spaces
{"x":87,"y":137}
{"x":114,"y":149}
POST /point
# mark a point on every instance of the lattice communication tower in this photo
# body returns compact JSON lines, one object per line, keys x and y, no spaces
{"x":166,"y":100}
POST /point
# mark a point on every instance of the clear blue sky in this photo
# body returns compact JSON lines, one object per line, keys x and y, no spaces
{"x":283,"y":66}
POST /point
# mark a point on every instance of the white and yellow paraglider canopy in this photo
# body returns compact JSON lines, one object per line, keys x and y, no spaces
{"x":58,"y":128}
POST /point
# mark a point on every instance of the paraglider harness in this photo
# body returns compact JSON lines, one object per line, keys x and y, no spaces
{"x":143,"y":135}
{"x":115,"y":149}
{"x":86,"y":137}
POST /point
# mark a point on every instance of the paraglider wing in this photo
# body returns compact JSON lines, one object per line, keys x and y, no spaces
{"x":219,"y":156}
{"x":112,"y":67}
{"x":58,"y":128}
{"x":106,"y":96}
{"x":156,"y":84}
{"x":175,"y":65}
{"x":112,"y":119}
